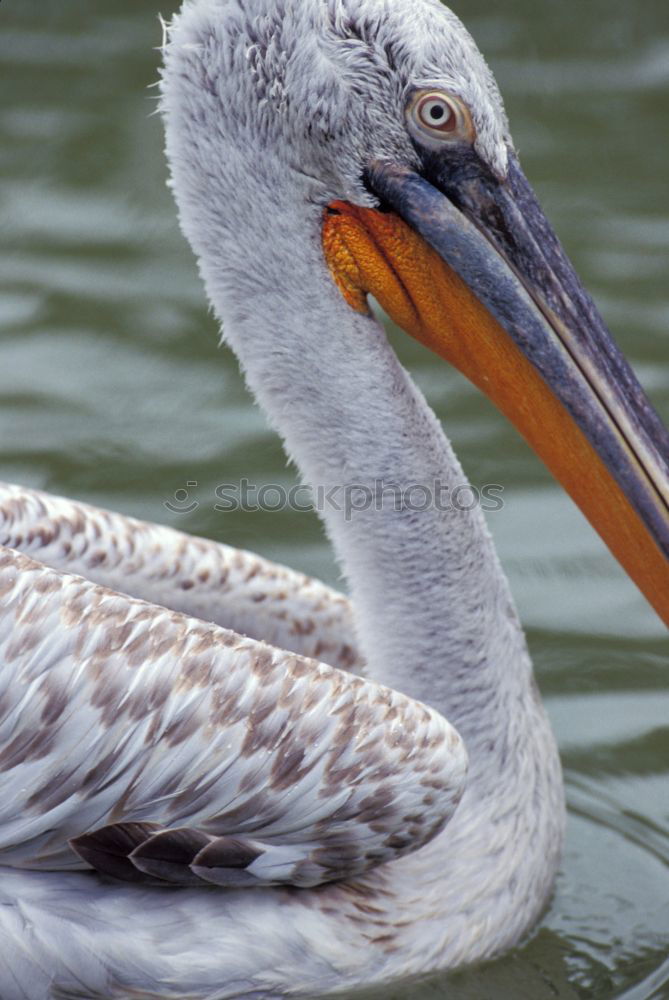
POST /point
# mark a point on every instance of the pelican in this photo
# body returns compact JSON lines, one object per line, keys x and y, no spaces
{"x":221,"y":778}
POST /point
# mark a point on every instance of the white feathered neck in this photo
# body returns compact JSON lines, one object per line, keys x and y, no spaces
{"x":430,"y":597}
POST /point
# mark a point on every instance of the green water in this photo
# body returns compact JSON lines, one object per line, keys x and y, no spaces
{"x":112,"y":390}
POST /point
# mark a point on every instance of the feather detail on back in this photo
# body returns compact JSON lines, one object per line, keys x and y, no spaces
{"x":215,"y":582}
{"x":115,"y":713}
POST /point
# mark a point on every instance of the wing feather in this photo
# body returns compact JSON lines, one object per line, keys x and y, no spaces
{"x":205,"y":579}
{"x":116,"y":712}
{"x":108,"y":849}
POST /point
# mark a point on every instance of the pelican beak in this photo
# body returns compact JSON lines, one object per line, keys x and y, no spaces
{"x":468,"y":264}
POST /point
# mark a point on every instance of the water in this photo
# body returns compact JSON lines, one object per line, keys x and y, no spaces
{"x":113,"y":391}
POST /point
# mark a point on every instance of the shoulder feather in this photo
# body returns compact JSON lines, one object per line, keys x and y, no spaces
{"x":133,"y":732}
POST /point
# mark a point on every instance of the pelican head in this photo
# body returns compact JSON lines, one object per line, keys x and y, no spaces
{"x":376,"y":131}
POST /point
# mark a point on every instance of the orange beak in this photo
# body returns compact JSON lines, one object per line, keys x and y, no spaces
{"x":469,"y":266}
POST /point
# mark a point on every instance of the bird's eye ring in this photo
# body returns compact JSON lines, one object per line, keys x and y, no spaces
{"x":440,"y":116}
{"x":435,"y":112}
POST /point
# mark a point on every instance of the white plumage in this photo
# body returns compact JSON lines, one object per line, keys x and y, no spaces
{"x":276,"y":770}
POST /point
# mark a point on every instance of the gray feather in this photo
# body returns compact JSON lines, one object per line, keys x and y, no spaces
{"x":168,"y":855}
{"x":108,"y":849}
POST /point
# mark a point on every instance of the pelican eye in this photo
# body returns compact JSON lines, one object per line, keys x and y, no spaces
{"x":440,"y":116}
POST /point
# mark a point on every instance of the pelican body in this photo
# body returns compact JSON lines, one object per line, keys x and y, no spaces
{"x":222,"y":779}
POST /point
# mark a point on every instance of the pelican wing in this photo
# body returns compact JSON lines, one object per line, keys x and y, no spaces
{"x":134,"y":737}
{"x":215,"y":582}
